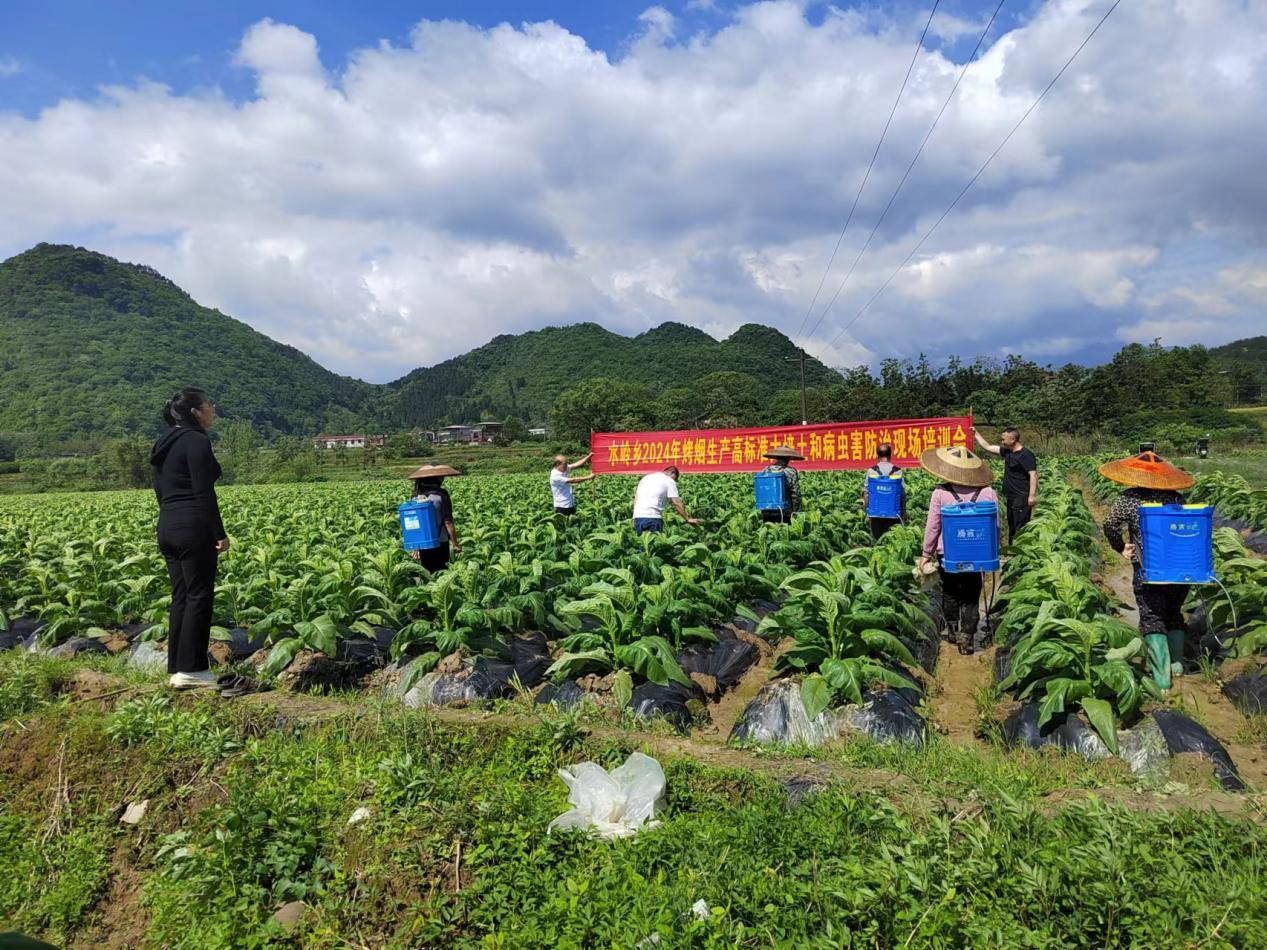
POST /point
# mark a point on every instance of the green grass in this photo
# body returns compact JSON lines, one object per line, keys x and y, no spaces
{"x":246,"y":815}
{"x":1250,"y":465}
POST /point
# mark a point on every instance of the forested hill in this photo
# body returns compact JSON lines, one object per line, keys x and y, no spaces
{"x":1246,"y":360}
{"x":92,"y":347}
{"x":522,"y":375}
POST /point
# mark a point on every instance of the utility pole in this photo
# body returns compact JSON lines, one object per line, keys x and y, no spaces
{"x":804,"y":410}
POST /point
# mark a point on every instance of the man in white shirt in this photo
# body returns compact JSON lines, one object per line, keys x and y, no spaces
{"x":561,"y":483}
{"x":650,"y":497}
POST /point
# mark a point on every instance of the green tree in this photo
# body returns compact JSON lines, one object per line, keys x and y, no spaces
{"x":401,"y":445}
{"x":125,"y":462}
{"x":601,"y":404}
{"x":513,"y":430}
{"x":238,"y":450}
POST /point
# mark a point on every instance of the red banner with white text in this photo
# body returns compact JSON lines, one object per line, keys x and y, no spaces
{"x":828,"y":446}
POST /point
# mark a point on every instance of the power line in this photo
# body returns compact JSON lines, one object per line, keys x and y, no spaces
{"x":918,"y":152}
{"x":972,"y":181}
{"x":884,"y":132}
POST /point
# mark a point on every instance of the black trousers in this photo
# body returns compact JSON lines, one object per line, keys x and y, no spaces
{"x":568,"y":512}
{"x":776,"y":516}
{"x":961,"y":602}
{"x":1018,"y":514}
{"x":881,"y":525}
{"x":190,"y":552}
{"x":435,"y":559}
{"x":1160,"y":606}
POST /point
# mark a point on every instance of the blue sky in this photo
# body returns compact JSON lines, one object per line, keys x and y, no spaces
{"x":68,"y":48}
{"x":388,"y":187}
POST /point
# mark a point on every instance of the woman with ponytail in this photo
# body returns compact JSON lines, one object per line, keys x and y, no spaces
{"x":190,"y":532}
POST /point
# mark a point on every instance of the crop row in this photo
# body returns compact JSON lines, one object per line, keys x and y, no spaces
{"x":314,"y":565}
{"x":1061,"y":644}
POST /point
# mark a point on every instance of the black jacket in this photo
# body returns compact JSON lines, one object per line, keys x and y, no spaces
{"x":185,"y":473}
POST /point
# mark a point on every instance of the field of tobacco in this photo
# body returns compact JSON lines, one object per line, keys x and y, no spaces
{"x":317,"y":592}
{"x":319,"y":570}
{"x":356,"y":818}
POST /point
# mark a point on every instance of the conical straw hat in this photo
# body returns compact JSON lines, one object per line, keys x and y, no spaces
{"x":433,"y":471}
{"x":784,"y":452}
{"x":958,"y":466}
{"x":1147,"y":470}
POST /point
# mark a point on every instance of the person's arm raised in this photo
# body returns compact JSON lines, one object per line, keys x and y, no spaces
{"x":580,"y":463}
{"x":983,"y":444}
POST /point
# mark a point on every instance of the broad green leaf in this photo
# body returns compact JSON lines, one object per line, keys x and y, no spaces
{"x":883,"y":643}
{"x":280,"y":656}
{"x":815,"y":695}
{"x":622,"y":688}
{"x":417,"y":669}
{"x":842,"y":677}
{"x":1125,"y":652}
{"x":1100,"y":715}
{"x":578,"y":664}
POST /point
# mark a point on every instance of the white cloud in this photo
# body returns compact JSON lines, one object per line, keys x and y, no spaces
{"x":406,"y":205}
{"x":9,"y":66}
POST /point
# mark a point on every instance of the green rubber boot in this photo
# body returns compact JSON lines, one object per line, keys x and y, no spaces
{"x":1158,"y":658}
{"x":1174,"y":643}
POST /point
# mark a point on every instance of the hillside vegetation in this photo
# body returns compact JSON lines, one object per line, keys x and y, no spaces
{"x":523,"y":375}
{"x":91,"y":347}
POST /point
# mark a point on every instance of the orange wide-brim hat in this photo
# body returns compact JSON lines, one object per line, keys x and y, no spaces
{"x":1147,"y":470}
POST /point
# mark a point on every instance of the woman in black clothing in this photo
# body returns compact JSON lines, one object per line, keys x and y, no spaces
{"x":190,"y":532}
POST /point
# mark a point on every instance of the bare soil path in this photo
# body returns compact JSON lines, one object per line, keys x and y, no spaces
{"x":952,"y":699}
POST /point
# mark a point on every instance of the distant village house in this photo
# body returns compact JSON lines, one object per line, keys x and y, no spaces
{"x":348,"y":441}
{"x":472,"y":435}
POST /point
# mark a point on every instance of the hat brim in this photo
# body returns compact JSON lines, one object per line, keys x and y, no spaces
{"x":978,"y":476}
{"x":790,"y":456}
{"x":1137,"y":473}
{"x":433,"y":471}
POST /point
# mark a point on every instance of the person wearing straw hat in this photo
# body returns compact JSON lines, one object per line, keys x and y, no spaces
{"x":962,"y":477}
{"x":781,"y":458}
{"x":1150,"y":479}
{"x":429,"y":486}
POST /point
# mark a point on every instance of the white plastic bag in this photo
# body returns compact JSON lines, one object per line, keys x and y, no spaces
{"x":615,"y":804}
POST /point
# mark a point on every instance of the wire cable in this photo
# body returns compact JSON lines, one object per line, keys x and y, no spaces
{"x":972,"y":181}
{"x":918,"y":152}
{"x":884,"y":132}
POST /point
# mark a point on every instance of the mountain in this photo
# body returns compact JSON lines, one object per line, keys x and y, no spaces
{"x":521,"y":375}
{"x":1246,"y":362}
{"x":90,"y":346}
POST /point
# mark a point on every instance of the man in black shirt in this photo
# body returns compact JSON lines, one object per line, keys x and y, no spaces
{"x":1020,"y":477}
